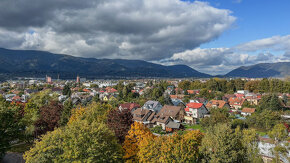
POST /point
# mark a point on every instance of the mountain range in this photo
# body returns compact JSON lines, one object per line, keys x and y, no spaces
{"x":262,"y":70}
{"x":32,"y":63}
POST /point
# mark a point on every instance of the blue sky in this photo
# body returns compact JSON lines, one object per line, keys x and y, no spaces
{"x":256,"y":19}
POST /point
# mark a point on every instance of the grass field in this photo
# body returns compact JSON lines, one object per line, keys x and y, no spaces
{"x":195,"y":127}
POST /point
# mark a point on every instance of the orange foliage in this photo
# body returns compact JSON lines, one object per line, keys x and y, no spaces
{"x":136,"y":135}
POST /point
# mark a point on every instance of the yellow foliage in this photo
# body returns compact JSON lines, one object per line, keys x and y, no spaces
{"x":175,"y":148}
{"x":136,"y":134}
{"x":76,"y":114}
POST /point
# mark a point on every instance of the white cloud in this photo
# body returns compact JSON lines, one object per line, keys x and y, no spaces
{"x":129,"y":29}
{"x":222,"y":60}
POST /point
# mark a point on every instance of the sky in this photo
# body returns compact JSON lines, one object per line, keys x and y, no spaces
{"x":213,"y":36}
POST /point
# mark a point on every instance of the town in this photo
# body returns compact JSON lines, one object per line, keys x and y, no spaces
{"x":164,"y":106}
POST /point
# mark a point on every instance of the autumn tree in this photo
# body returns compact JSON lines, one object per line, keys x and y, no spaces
{"x":120,"y":122}
{"x":80,"y":141}
{"x":136,"y":134}
{"x":49,"y":117}
{"x":173,"y":148}
{"x":32,"y":110}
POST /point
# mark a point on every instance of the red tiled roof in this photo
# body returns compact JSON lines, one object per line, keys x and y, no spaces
{"x":194,"y":105}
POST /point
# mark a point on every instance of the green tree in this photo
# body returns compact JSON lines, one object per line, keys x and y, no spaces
{"x":250,"y":142}
{"x":185,"y":85}
{"x":264,"y":85}
{"x":222,"y":144}
{"x":216,"y":116}
{"x":270,"y":102}
{"x":264,"y":120}
{"x":80,"y":141}
{"x":66,"y":112}
{"x":9,"y":126}
{"x":66,"y":90}
{"x":279,"y":136}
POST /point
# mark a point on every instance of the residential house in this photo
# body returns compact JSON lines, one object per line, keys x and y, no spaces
{"x":152,"y":105}
{"x":194,"y":111}
{"x":242,"y":92}
{"x":226,"y":97}
{"x":173,"y":126}
{"x":113,"y":98}
{"x":247,"y":111}
{"x":160,"y":120}
{"x":236,"y":102}
{"x":106,"y":98}
{"x":179,"y":96}
{"x":199,"y":100}
{"x":217,"y":104}
{"x":177,"y":102}
{"x":192,"y":92}
{"x":253,"y":100}
{"x":144,"y":116}
{"x":174,"y":112}
{"x":130,"y":106}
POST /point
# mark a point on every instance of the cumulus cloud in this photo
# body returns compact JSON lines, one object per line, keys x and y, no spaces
{"x":129,"y":29}
{"x":224,"y":59}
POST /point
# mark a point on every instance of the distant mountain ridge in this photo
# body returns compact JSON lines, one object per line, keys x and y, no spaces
{"x":262,"y":70}
{"x":32,"y":63}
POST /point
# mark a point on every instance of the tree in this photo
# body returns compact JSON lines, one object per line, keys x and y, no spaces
{"x":32,"y":110}
{"x":222,"y":144}
{"x":9,"y":126}
{"x":279,"y":134}
{"x":49,"y":117}
{"x":239,"y":123}
{"x":120,"y":122}
{"x":80,"y":141}
{"x":252,"y":86}
{"x":175,"y":148}
{"x":136,"y":134}
{"x":265,"y":120}
{"x":185,"y":85}
{"x":66,"y":112}
{"x":264,"y":85}
{"x":270,"y":102}
{"x":66,"y":90}
{"x":93,"y":112}
{"x":216,"y":116}
{"x":250,"y":142}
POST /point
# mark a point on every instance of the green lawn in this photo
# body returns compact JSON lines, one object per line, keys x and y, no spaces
{"x":195,"y":127}
{"x":261,"y":133}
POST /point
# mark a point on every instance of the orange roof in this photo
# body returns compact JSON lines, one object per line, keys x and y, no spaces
{"x":86,"y":90}
{"x":236,"y":101}
{"x":190,"y":91}
{"x":218,"y":103}
{"x":248,"y":110}
{"x":194,"y":105}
